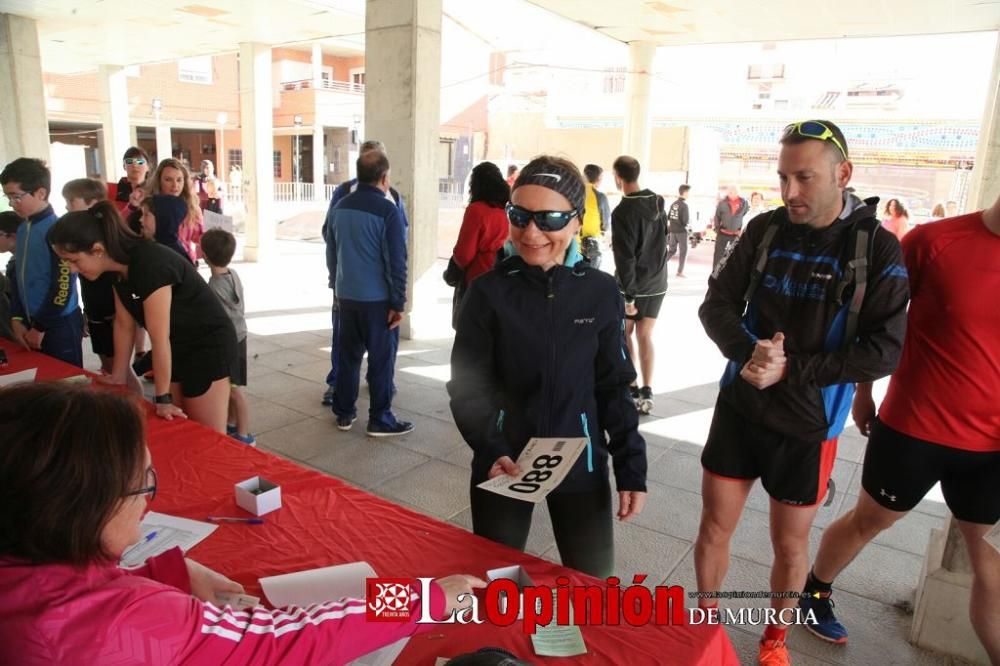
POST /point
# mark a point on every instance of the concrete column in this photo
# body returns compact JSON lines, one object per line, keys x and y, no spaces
{"x":317,"y":66}
{"x":637,"y":134}
{"x":112,"y":92}
{"x":319,"y":164}
{"x":164,"y":142}
{"x":986,"y":172}
{"x":402,"y":109}
{"x":258,"y":149}
{"x":24,"y":131}
{"x":941,"y":612}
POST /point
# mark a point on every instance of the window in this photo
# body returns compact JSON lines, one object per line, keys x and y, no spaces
{"x":195,"y":70}
{"x":277,"y":164}
{"x":771,"y":71}
{"x":133,"y":71}
{"x":445,"y":159}
{"x":614,"y":80}
{"x":234,"y":157}
{"x":358,"y":78}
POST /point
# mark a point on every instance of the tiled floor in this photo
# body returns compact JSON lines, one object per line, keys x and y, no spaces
{"x":288,"y":317}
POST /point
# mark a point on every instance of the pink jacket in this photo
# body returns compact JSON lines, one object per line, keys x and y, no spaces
{"x":100,"y":614}
{"x":190,"y":235}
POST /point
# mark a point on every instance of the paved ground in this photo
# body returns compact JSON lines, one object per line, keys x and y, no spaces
{"x":289,"y":322}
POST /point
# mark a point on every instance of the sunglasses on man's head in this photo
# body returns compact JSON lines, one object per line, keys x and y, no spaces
{"x":138,"y":161}
{"x":545,"y":220}
{"x":813,"y":129}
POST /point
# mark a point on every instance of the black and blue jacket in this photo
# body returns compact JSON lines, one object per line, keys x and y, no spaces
{"x":43,"y":288}
{"x":796,"y":296}
{"x":542,"y":354}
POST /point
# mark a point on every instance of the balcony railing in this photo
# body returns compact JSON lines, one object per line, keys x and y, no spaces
{"x":325,"y":84}
{"x":287,"y":193}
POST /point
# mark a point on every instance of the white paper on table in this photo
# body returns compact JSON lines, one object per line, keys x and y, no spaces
{"x":18,"y":377}
{"x":993,"y":536}
{"x":317,"y":586}
{"x":555,"y":640}
{"x":382,"y":657}
{"x":170,"y":531}
{"x":544,"y":463}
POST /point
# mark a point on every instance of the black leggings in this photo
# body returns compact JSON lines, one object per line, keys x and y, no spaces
{"x":581,"y":522}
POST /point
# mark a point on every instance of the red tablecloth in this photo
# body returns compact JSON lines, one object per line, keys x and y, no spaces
{"x":324,"y":521}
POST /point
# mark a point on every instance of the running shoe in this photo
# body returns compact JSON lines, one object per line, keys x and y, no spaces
{"x":773,"y":653}
{"x":645,"y":401}
{"x":827,"y":626}
{"x":328,"y":396}
{"x":247,"y":439}
{"x":345,"y":422}
{"x":381,"y":430}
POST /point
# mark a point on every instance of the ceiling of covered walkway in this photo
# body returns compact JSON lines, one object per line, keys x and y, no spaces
{"x":80,"y":35}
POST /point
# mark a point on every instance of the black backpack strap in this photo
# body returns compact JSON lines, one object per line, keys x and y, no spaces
{"x":861,"y":241}
{"x":778,"y":216}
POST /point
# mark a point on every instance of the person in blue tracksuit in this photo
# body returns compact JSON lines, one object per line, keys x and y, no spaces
{"x":540,"y":352}
{"x":366,"y":257}
{"x":342,"y":191}
{"x":44,"y":309}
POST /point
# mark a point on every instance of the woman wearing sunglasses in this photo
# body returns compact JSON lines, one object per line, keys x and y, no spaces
{"x":75,"y":481}
{"x":129,"y":192}
{"x":539,"y":352}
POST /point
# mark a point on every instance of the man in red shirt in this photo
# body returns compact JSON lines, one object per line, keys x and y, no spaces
{"x":940,"y":420}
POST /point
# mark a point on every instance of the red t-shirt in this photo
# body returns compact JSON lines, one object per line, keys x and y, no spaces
{"x":946,"y":389}
{"x":484,"y":231}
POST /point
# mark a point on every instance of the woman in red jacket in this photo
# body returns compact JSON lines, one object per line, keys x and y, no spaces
{"x":75,"y":481}
{"x":484,"y":227}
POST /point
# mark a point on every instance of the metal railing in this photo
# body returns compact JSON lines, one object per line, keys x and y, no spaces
{"x":287,"y":193}
{"x":325,"y":84}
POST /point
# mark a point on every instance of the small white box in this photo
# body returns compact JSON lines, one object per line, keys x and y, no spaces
{"x":258,"y":495}
{"x":517,"y":574}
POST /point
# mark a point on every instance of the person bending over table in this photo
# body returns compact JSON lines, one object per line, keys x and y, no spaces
{"x":540,"y":352}
{"x":75,"y":480}
{"x":191,"y":336}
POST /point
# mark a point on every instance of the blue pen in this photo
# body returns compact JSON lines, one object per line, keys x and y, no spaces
{"x":146,"y":539}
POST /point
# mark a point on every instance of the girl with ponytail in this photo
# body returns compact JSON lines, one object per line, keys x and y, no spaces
{"x":156,"y":288}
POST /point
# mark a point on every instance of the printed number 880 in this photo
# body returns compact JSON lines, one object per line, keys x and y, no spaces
{"x":539,"y":472}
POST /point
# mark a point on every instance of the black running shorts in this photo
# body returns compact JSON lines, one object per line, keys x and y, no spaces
{"x":793,"y":471}
{"x":899,"y":470}
{"x":648,"y":307}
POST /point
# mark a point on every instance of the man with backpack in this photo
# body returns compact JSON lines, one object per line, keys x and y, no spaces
{"x":639,"y":243}
{"x":811,"y":300}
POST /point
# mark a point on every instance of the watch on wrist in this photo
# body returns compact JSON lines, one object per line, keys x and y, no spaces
{"x":165,"y":399}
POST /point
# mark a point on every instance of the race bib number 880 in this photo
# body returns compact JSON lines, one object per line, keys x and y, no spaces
{"x":544,"y":464}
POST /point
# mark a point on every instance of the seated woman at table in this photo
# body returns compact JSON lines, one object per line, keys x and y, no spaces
{"x":191,"y":336}
{"x":540,"y":352}
{"x":75,"y":481}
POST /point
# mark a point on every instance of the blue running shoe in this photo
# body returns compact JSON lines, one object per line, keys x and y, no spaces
{"x":381,"y":430}
{"x":827,"y":626}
